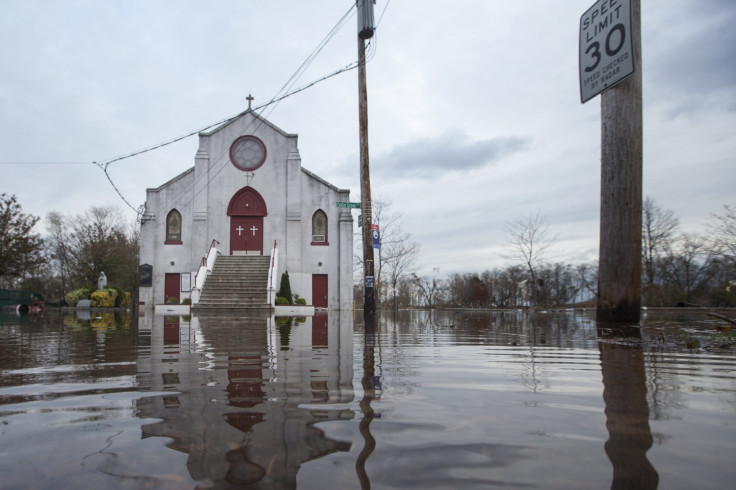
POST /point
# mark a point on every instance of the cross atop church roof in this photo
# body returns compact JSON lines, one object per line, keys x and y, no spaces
{"x":249,"y":99}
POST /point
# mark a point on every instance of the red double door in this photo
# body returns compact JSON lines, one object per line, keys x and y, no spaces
{"x":246,"y":234}
{"x":246,"y":211}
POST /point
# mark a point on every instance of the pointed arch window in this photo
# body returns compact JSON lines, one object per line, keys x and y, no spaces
{"x":319,"y":228}
{"x":173,"y":227}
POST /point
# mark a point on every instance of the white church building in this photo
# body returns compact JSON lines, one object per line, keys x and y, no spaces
{"x":247,"y":195}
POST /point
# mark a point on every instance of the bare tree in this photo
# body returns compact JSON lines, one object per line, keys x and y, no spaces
{"x":587,"y":281}
{"x":687,"y":266}
{"x":57,"y":248}
{"x":723,"y":229}
{"x":100,"y":240}
{"x":397,"y":256}
{"x":659,"y":227}
{"x":528,"y":241}
{"x":401,"y":263}
{"x":430,"y":288}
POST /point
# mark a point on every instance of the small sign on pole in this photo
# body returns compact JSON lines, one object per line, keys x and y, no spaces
{"x":354,"y":205}
{"x":606,"y":47}
{"x":376,"y":236}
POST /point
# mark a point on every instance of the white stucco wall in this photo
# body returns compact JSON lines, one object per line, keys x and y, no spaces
{"x":291,"y":193}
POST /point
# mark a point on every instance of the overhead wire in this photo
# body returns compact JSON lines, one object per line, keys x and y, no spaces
{"x":221,"y":163}
{"x":284,"y":92}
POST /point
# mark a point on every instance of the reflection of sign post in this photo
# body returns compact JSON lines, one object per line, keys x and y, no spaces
{"x":606,"y":46}
{"x":375,"y":235}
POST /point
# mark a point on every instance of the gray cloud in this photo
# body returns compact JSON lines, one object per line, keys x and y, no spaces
{"x":450,"y":152}
{"x":693,"y":59}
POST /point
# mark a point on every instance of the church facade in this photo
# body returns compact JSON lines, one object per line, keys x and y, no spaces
{"x":246,"y":194}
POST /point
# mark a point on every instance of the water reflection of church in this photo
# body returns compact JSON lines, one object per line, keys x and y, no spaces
{"x":236,"y":387}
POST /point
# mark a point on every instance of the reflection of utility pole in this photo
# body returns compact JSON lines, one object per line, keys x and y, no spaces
{"x":627,"y":416}
{"x":369,"y":393}
{"x":365,"y":31}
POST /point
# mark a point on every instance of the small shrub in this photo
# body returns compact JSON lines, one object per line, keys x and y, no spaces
{"x":172,"y":301}
{"x":300,"y":301}
{"x":102,"y":299}
{"x":125,"y":303}
{"x":281,"y":301}
{"x":113,"y":292}
{"x":186,"y":301}
{"x":119,"y":295}
{"x":73,"y":297}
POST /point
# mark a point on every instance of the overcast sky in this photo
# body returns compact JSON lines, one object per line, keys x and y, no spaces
{"x":474,"y":107}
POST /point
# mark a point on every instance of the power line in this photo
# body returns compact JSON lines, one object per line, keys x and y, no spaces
{"x":271,"y":103}
{"x":46,"y":163}
{"x":282,"y":94}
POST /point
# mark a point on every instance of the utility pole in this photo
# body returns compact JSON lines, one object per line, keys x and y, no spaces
{"x":365,"y":31}
{"x":619,"y":270}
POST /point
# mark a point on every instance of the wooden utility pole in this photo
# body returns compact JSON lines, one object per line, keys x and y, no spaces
{"x":365,"y":31}
{"x":619,"y":269}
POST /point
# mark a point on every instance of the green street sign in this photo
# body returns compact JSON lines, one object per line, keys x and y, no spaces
{"x":355,"y":205}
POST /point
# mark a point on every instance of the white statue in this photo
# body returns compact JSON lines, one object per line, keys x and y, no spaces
{"x":102,"y":281}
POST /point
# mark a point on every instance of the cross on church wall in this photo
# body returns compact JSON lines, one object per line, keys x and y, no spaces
{"x":239,"y":228}
{"x":254,"y":230}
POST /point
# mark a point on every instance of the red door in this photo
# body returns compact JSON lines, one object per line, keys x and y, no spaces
{"x":246,"y":234}
{"x":171,"y":287}
{"x":319,"y":290}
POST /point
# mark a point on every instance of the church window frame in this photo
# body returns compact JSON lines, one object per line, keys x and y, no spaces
{"x":320,"y":228}
{"x":173,"y":228}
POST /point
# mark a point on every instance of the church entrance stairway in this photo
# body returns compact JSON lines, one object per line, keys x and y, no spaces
{"x":236,"y":282}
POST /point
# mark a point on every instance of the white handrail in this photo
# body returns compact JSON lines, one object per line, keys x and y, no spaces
{"x":205,"y":267}
{"x":272,"y":275}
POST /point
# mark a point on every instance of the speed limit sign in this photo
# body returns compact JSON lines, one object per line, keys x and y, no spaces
{"x":606,"y":47}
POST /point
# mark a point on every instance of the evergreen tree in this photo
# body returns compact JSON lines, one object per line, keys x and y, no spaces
{"x":285,"y":288}
{"x":21,"y":251}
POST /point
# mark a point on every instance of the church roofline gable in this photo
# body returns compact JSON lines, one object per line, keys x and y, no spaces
{"x":323,"y":181}
{"x":240,"y":116}
{"x":171,"y":181}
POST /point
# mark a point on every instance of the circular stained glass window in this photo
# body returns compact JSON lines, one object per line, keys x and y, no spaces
{"x":248,"y":153}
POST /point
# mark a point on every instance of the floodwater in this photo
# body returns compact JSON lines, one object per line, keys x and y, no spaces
{"x":424,"y":400}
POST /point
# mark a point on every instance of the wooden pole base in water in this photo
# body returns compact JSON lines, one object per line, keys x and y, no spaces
{"x":619,"y":269}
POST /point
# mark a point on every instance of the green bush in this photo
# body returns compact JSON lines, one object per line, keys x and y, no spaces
{"x":119,"y":295}
{"x":103,"y":299}
{"x":186,"y":301}
{"x":281,"y":301}
{"x":73,"y":297}
{"x":300,"y":301}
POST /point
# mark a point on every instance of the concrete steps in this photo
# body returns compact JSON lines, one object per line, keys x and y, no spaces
{"x":236,"y":282}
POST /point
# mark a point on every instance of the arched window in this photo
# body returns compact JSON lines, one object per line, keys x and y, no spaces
{"x":173,"y":227}
{"x":319,"y":228}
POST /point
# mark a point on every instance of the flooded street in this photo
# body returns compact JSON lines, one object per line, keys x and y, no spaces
{"x":440,"y":400}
